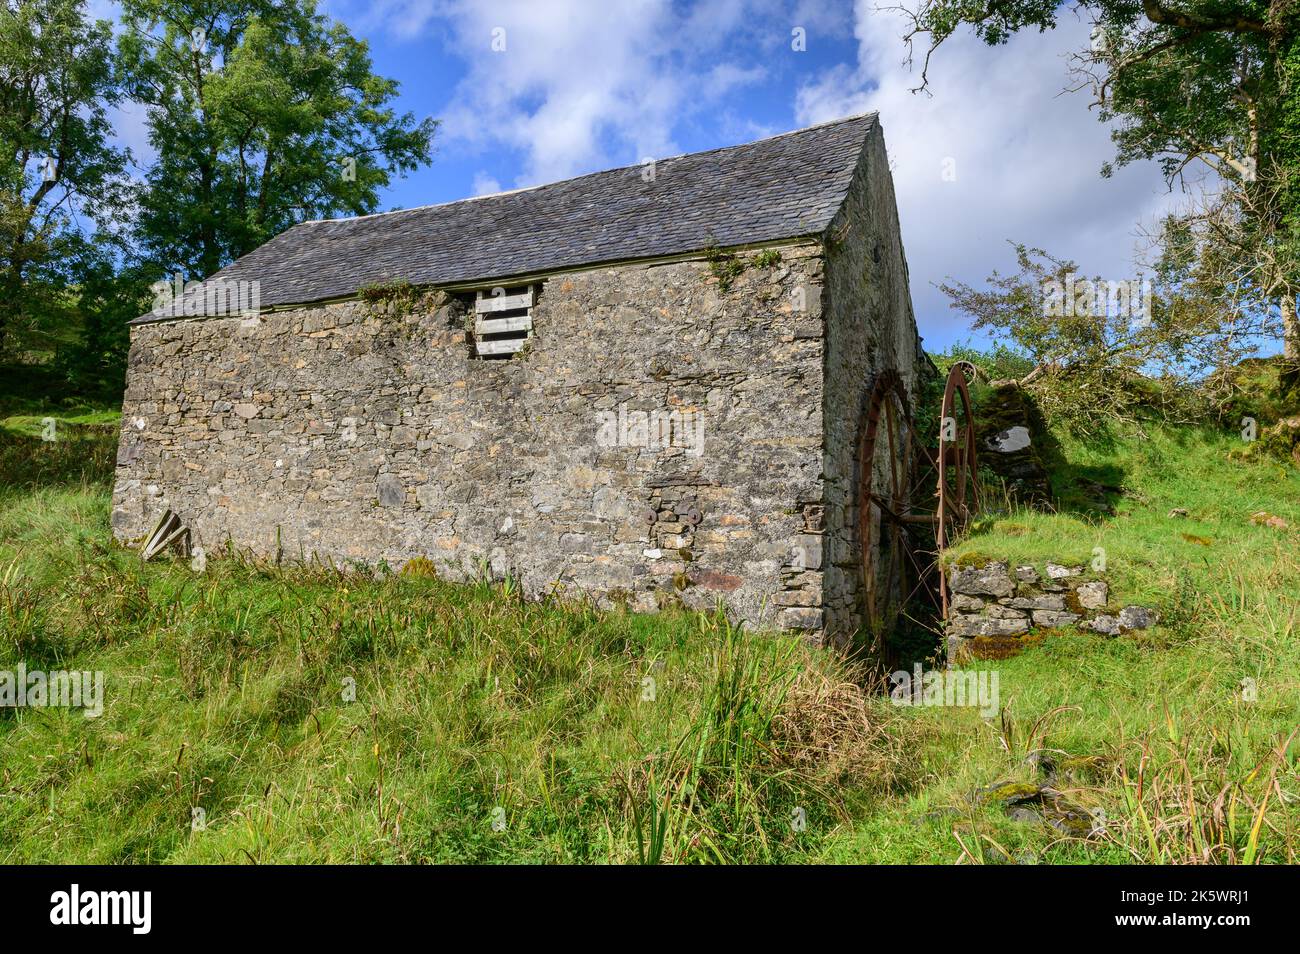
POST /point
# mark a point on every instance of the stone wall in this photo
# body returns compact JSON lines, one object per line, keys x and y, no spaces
{"x":1012,"y":439}
{"x":870,"y":327}
{"x":994,"y":610}
{"x":356,"y":431}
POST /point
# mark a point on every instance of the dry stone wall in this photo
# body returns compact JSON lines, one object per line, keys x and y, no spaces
{"x":995,"y":609}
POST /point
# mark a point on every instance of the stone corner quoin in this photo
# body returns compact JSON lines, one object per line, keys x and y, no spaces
{"x":371,"y":430}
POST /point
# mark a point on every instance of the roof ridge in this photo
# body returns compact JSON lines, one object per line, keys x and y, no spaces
{"x":585,"y":175}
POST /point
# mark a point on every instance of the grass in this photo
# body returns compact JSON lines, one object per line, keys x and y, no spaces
{"x":1191,"y":722}
{"x":313,"y":715}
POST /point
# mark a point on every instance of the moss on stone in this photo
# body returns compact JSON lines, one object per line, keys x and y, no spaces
{"x":1002,"y":647}
{"x":1009,"y":792}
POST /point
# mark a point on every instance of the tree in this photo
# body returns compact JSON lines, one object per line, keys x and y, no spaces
{"x":1209,"y":81}
{"x":264,"y":114}
{"x":1096,"y":348}
{"x":59,"y":174}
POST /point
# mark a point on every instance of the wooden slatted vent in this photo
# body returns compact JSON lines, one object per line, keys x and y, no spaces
{"x":503,"y":320}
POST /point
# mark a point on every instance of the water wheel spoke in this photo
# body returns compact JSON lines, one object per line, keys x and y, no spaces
{"x":904,"y":486}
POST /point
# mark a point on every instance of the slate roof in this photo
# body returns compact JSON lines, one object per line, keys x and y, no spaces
{"x":786,"y":186}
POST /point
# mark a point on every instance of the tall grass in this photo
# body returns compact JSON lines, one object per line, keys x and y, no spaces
{"x":317,"y":714}
{"x":312,"y":713}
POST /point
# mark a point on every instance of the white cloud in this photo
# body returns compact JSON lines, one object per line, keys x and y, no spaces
{"x":484,"y":184}
{"x":574,"y":85}
{"x":571,"y":77}
{"x":1026,"y":157}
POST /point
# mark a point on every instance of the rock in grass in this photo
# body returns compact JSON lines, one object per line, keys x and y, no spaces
{"x":1027,"y":802}
{"x":1262,"y":518}
{"x":1104,"y":624}
{"x":1136,"y":617}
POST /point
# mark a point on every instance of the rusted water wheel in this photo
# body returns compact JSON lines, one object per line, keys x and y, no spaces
{"x":958,"y":499}
{"x":884,"y":500}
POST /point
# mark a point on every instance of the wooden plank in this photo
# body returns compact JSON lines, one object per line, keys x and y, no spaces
{"x":503,"y":346}
{"x":171,"y":539}
{"x":490,"y":303}
{"x":157,"y":529}
{"x":167,"y":530}
{"x":494,"y":326}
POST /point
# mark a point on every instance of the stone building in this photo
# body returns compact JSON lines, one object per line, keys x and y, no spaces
{"x":643,"y":384}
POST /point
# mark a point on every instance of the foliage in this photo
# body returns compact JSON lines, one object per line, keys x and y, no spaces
{"x":108,"y":298}
{"x":998,"y":362}
{"x":1096,"y":353}
{"x":57,"y":84}
{"x":1204,"y":82}
{"x":726,"y":267}
{"x":264,"y":114}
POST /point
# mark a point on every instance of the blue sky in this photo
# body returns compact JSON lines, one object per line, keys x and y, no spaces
{"x":995,"y":151}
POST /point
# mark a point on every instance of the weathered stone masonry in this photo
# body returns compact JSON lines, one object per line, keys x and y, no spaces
{"x":368,"y":431}
{"x":996,"y":611}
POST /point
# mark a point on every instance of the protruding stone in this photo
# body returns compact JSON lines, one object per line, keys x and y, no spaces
{"x":808,"y":551}
{"x":391,"y":492}
{"x":995,"y":611}
{"x":801,"y":618}
{"x":968,"y":625}
{"x":1056,"y":571}
{"x":992,"y":579}
{"x":1041,"y":601}
{"x":1107,"y":625}
{"x":1136,"y":617}
{"x":1008,"y":441}
{"x":1052,"y":618}
{"x":1027,"y":574}
{"x":961,"y":603}
{"x":1092,"y":595}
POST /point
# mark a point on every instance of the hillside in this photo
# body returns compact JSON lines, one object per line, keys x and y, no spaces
{"x":486,"y":729}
